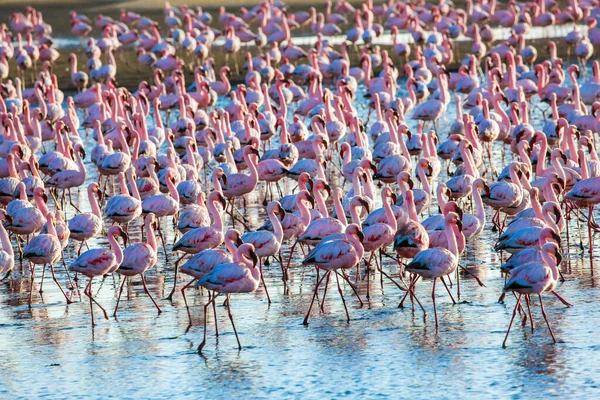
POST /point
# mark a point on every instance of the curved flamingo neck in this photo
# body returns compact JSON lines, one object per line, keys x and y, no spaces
{"x":216,"y":215}
{"x":277,"y":228}
{"x":358,"y":246}
{"x":450,"y":235}
{"x":94,"y":203}
{"x":389,"y":214}
{"x":114,"y":245}
{"x":305,"y":215}
{"x":172,"y":190}
{"x":339,"y":210}
{"x":321,"y":203}
{"x":151,"y":239}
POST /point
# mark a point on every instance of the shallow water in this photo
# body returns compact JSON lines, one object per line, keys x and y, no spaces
{"x":52,"y":351}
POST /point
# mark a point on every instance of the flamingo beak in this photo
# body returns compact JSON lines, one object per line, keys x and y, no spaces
{"x":124,"y":235}
{"x":394,"y":198}
{"x":311,"y":200}
{"x":361,"y":235}
{"x":365,"y":204}
{"x":459,"y":224}
{"x":281,"y":212}
{"x":411,"y":184}
{"x":254,"y":258}
{"x":222,"y":201}
{"x":327,"y":189}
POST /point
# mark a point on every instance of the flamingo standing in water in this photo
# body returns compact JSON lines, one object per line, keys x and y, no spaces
{"x":87,"y":225}
{"x":268,"y":244}
{"x":44,"y":249}
{"x":98,"y":262}
{"x":333,"y":255}
{"x":437,"y":262}
{"x":139,"y":258}
{"x":239,"y":276}
{"x":533,"y":278}
{"x":204,"y":237}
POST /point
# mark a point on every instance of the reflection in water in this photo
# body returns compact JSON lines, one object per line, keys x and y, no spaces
{"x":51,"y":349}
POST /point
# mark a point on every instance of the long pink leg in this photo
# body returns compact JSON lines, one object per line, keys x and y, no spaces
{"x":337,"y":279}
{"x":434,"y":307}
{"x":119,"y":297}
{"x":512,"y":320}
{"x":58,"y":284}
{"x":201,"y":346}
{"x":149,"y":295}
{"x":546,"y":318}
{"x":187,"y":307}
{"x":305,"y":322}
{"x":324,"y":294}
{"x":87,"y":292}
{"x":232,"y":323}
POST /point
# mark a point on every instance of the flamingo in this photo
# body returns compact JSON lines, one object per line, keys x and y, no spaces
{"x":239,"y":276}
{"x":98,"y":262}
{"x":87,"y":225}
{"x":139,"y":258}
{"x":533,"y":278}
{"x":333,"y":255}
{"x":44,"y":249}
{"x":204,"y":237}
{"x":437,"y":262}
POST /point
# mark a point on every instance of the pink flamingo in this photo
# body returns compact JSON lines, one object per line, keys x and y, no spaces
{"x":437,"y":262}
{"x":125,"y":208}
{"x":412,"y":238}
{"x":98,"y":262}
{"x":205,"y":237}
{"x":268,"y":244}
{"x":239,"y":276}
{"x":78,"y":78}
{"x":44,"y":249}
{"x":87,"y":225}
{"x":333,"y":255}
{"x":139,"y":258}
{"x":534,"y":278}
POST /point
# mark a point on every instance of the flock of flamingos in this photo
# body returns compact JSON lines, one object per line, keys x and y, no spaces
{"x":398,"y":192}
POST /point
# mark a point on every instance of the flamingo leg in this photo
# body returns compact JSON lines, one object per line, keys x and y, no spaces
{"x":31,"y":285}
{"x":546,"y":318}
{"x":87,"y":292}
{"x":305,"y":322}
{"x":214,"y":306}
{"x":58,"y":284}
{"x":201,"y":346}
{"x":119,"y":297}
{"x":187,"y":307}
{"x":170,"y":296}
{"x":262,"y":278}
{"x":337,"y":279}
{"x":353,"y":288}
{"x":162,"y":239}
{"x":434,"y":307}
{"x":512,"y":320}
{"x":42,"y":281}
{"x":529,"y":313}
{"x":448,"y":290}
{"x":562,"y":300}
{"x":95,"y":301}
{"x":233,"y":324}
{"x":148,"y":293}
{"x":325,"y":293}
